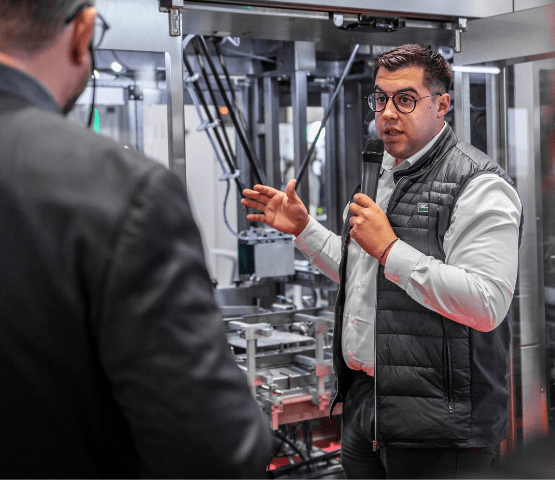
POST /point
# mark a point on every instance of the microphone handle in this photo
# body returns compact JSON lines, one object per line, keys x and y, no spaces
{"x":370,"y":176}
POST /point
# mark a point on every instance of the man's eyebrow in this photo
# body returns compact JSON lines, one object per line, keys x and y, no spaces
{"x":401,"y":90}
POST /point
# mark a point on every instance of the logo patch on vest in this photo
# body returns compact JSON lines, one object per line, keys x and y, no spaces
{"x":423,"y":207}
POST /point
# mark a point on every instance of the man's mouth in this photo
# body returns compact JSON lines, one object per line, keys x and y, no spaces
{"x":392,"y":132}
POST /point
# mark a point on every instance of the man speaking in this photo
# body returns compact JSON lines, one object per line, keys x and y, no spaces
{"x":426,"y":276}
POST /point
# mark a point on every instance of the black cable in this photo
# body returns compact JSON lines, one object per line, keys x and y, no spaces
{"x":228,"y":159}
{"x":304,"y":163}
{"x":91,"y":114}
{"x":291,"y":444}
{"x":278,"y":449}
{"x":253,"y":161}
{"x":289,"y":468}
{"x":211,"y":91}
{"x":231,"y":89}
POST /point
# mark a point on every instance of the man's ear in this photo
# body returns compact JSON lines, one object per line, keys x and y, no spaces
{"x":83,"y":29}
{"x":443,"y":105}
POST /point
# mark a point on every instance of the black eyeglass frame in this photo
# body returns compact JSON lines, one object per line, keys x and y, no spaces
{"x":392,"y":97}
{"x":105,"y":26}
{"x":93,"y":46}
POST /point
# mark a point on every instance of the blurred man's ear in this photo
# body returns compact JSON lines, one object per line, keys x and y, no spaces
{"x":83,"y":29}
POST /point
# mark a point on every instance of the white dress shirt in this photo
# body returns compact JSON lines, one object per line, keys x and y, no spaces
{"x":474,"y":286}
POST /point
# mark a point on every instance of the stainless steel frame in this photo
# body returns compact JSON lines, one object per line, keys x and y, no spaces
{"x":430,"y":8}
{"x":514,"y":34}
{"x":513,"y":38}
{"x":138,"y":25}
{"x":518,"y":40}
{"x":525,"y":157}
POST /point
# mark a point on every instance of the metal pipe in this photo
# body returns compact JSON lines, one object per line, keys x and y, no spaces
{"x":304,"y":163}
{"x":210,"y":90}
{"x":231,"y":89}
{"x":259,"y":174}
{"x":229,"y":160}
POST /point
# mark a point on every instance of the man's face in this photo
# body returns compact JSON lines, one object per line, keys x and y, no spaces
{"x":79,"y":89}
{"x":406,"y":133}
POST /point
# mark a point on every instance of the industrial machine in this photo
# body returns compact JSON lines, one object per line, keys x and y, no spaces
{"x":230,"y":94}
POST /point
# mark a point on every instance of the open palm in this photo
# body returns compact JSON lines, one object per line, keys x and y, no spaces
{"x":283,"y":211}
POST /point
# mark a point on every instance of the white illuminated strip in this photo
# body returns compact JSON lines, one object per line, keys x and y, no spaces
{"x":471,"y":69}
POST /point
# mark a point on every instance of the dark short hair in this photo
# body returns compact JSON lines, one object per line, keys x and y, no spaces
{"x":437,"y":72}
{"x":32,"y":25}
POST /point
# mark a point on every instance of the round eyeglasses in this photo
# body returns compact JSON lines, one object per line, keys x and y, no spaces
{"x":404,"y":102}
{"x":100,"y":25}
{"x":100,"y":28}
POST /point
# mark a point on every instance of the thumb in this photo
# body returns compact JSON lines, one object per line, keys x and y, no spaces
{"x":290,"y":189}
{"x":363,"y":200}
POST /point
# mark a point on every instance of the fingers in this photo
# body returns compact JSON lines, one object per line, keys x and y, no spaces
{"x":255,"y":195}
{"x":256,"y":217}
{"x":355,"y":221}
{"x":363,"y":200}
{"x":355,"y":208}
{"x":259,"y":190}
{"x":247,"y":202}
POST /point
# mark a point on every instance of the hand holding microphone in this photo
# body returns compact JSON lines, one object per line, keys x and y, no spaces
{"x":372,"y":157}
{"x":370,"y":227}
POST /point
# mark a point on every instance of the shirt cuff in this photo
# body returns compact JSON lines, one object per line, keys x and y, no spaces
{"x":401,"y":262}
{"x":312,"y":238}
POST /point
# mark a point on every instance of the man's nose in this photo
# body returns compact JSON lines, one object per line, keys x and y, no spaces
{"x":390,"y":110}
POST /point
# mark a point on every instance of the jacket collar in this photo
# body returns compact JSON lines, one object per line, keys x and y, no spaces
{"x":445,"y":141}
{"x":19,"y":83}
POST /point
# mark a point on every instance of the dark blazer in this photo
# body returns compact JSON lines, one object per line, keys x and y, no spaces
{"x":113,"y":361}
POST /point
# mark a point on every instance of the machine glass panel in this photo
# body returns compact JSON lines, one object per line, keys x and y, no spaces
{"x":530,"y":117}
{"x":130,"y":101}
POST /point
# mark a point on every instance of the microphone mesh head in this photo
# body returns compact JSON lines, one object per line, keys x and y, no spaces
{"x":374,"y":145}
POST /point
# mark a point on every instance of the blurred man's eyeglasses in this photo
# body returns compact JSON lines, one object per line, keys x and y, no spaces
{"x":404,"y":102}
{"x":100,"y":25}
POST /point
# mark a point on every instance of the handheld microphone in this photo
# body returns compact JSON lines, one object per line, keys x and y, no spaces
{"x":371,"y":164}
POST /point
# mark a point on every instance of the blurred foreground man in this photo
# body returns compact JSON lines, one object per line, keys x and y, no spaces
{"x":113,"y":361}
{"x":426,"y":277}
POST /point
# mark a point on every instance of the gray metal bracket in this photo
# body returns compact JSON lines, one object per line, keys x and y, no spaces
{"x":459,"y":28}
{"x":174,"y":15}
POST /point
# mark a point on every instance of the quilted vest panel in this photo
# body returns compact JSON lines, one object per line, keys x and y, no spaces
{"x":439,"y":383}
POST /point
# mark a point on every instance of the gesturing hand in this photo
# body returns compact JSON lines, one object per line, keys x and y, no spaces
{"x":283,"y":211}
{"x":371,"y":228}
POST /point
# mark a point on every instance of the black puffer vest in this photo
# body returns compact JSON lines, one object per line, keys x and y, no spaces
{"x":438,"y":382}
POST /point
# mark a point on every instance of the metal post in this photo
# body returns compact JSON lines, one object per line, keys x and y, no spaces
{"x":299,"y":103}
{"x":271,"y":131}
{"x":251,"y":363}
{"x":305,"y":61}
{"x":492,"y":116}
{"x":524,"y":153}
{"x":462,"y":105}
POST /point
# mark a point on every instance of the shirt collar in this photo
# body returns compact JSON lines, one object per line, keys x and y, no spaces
{"x":24,"y":85}
{"x":388,"y":161}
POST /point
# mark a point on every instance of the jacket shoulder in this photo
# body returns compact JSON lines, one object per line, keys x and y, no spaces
{"x":464,"y":161}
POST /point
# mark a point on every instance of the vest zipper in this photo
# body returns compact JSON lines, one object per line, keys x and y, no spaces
{"x":375,"y":441}
{"x":448,"y":366}
{"x":449,"y":378}
{"x":375,"y":445}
